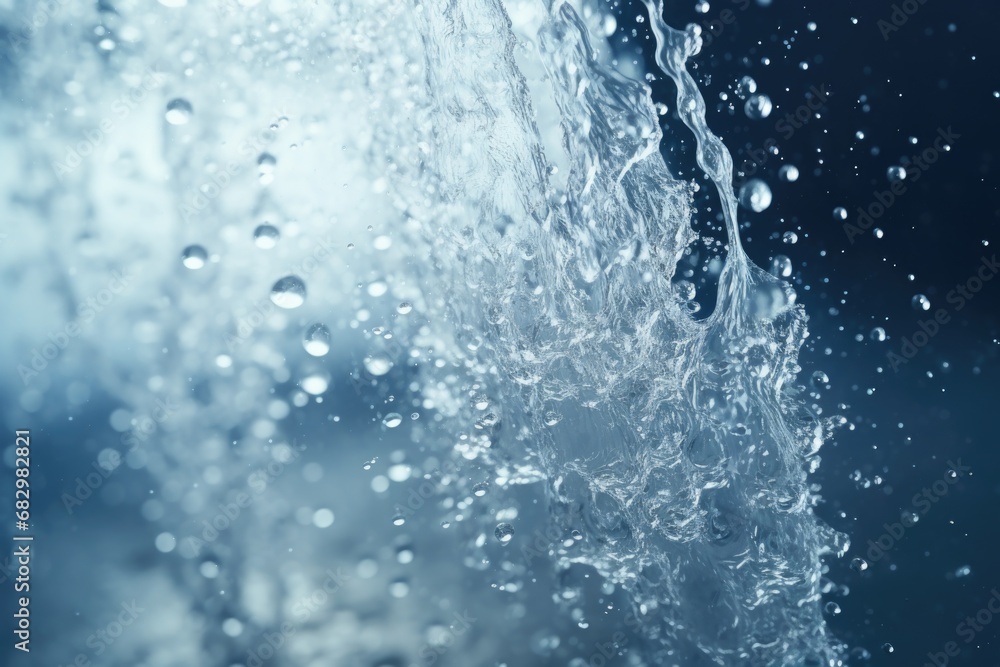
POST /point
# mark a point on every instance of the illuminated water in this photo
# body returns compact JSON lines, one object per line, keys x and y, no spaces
{"x":456,"y":213}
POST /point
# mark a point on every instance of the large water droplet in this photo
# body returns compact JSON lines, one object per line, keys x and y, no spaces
{"x":194,"y":257}
{"x":758,"y":107}
{"x":755,"y":195}
{"x":392,"y":420}
{"x":316,"y":340}
{"x":179,"y":111}
{"x":504,"y":533}
{"x":266,"y":236}
{"x":377,"y":364}
{"x":789,"y":173}
{"x":289,"y":292}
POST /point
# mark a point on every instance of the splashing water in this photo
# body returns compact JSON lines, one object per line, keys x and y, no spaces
{"x":474,"y":201}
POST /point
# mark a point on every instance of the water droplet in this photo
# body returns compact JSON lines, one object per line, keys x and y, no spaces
{"x":755,"y":195}
{"x":859,"y":565}
{"x":392,"y":420}
{"x":789,"y":173}
{"x":888,"y":648}
{"x":820,"y":379}
{"x":685,"y":289}
{"x":832,"y":608}
{"x":404,"y":308}
{"x":758,"y":107}
{"x":315,"y":383}
{"x":479,"y":490}
{"x":921,"y":302}
{"x":266,"y":236}
{"x":289,"y":292}
{"x":781,"y":266}
{"x":194,"y":257}
{"x":504,"y":532}
{"x":398,"y":520}
{"x":840,"y":213}
{"x":265,"y":168}
{"x":746,"y":86}
{"x":316,"y":340}
{"x":179,"y":111}
{"x":377,"y":364}
{"x":895,"y":174}
{"x":790,"y":238}
{"x":878,"y":334}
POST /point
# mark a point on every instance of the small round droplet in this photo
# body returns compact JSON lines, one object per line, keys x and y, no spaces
{"x":398,"y":520}
{"x":194,"y":257}
{"x":289,"y":292}
{"x":758,"y":107}
{"x":404,"y":308}
{"x":859,"y":565}
{"x":315,"y":383}
{"x":888,"y":648}
{"x":755,"y":195}
{"x":789,"y":173}
{"x":790,"y":238}
{"x":266,"y":236}
{"x":179,"y":111}
{"x":921,"y":303}
{"x":479,"y":490}
{"x":504,"y":533}
{"x":840,"y":213}
{"x":820,"y":379}
{"x":392,"y":420}
{"x":832,"y":608}
{"x":316,"y":340}
{"x":895,"y":174}
{"x":878,"y":335}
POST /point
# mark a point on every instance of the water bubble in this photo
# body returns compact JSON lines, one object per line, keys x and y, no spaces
{"x":888,"y":648}
{"x":479,"y":490}
{"x":859,"y":565}
{"x":404,"y":308}
{"x":316,"y":340}
{"x":789,"y":173}
{"x":840,"y":213}
{"x":194,"y":257}
{"x":289,"y":292}
{"x":758,"y":107}
{"x":315,"y":383}
{"x":755,"y":195}
{"x":266,"y":236}
{"x":895,"y":174}
{"x":921,"y":302}
{"x":790,"y":238}
{"x":878,"y":334}
{"x":392,"y":420}
{"x":504,"y":532}
{"x":962,"y":571}
{"x":377,"y":364}
{"x":265,"y":168}
{"x":746,"y":86}
{"x":832,"y":608}
{"x":398,"y":520}
{"x":781,"y":266}
{"x":179,"y":111}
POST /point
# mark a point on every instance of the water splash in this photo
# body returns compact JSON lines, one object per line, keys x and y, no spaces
{"x":482,"y":163}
